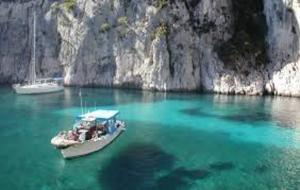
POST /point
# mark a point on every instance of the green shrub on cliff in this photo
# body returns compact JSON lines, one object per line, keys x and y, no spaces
{"x":122,"y":26}
{"x":69,"y":4}
{"x":55,"y":6}
{"x":104,"y":27}
{"x":159,"y":4}
{"x":123,"y":20}
{"x":161,"y":30}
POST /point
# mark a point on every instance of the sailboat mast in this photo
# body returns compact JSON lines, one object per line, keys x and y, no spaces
{"x":34,"y":47}
{"x":80,"y":95}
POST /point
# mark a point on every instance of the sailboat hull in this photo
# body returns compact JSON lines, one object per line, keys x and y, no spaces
{"x":37,"y":88}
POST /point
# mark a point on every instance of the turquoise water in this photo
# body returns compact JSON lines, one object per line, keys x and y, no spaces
{"x":173,"y":141}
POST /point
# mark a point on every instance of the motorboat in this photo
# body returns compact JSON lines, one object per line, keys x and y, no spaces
{"x":34,"y":85}
{"x":92,"y":132}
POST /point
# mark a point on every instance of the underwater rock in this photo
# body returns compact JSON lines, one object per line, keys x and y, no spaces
{"x":250,"y":117}
{"x":172,"y":182}
{"x":220,"y":166}
{"x":191,"y":174}
{"x":181,"y":178}
{"x":261,"y":169}
{"x":196,"y":112}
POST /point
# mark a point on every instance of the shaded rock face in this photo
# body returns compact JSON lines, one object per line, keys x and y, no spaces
{"x":246,"y":49}
{"x":16,"y":29}
{"x":222,"y":75}
{"x":227,"y":46}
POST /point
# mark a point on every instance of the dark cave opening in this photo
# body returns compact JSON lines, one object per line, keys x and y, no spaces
{"x":247,"y":48}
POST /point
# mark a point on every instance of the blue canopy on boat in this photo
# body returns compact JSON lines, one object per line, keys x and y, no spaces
{"x":100,"y":114}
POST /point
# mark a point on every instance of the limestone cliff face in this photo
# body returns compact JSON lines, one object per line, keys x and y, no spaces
{"x":224,"y":46}
{"x":131,"y":44}
{"x":283,"y":19}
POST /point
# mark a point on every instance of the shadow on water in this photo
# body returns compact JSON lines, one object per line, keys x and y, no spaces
{"x":248,"y":117}
{"x":181,"y":178}
{"x":221,"y":166}
{"x":138,"y":167}
{"x":135,"y":167}
{"x":261,"y":169}
{"x":245,"y":116}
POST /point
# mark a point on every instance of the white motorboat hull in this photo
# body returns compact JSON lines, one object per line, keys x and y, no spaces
{"x":90,"y":146}
{"x":37,"y":88}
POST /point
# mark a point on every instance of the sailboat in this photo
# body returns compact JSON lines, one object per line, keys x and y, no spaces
{"x":34,"y":85}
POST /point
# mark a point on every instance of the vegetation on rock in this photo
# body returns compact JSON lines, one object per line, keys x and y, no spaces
{"x":104,"y":27}
{"x":159,"y":4}
{"x":69,"y":4}
{"x":123,"y":20}
{"x":55,"y":6}
{"x":161,"y":30}
{"x":122,"y":26}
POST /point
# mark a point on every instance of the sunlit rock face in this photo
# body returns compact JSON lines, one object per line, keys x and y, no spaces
{"x":228,"y":46}
{"x":283,"y":37}
{"x":135,"y":44}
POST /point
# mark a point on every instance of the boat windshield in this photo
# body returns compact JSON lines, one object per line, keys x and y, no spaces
{"x":87,"y":122}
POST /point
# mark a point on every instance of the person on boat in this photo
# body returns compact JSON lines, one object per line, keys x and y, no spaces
{"x":72,"y":135}
{"x":100,"y":127}
{"x":95,"y":134}
{"x":82,"y":137}
{"x":90,"y":133}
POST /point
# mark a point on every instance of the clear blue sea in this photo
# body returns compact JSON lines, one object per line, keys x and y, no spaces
{"x":173,"y":141}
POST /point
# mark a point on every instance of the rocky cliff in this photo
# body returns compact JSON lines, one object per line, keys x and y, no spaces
{"x":223,"y":46}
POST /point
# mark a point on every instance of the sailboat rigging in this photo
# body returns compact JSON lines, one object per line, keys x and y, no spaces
{"x":34,"y":85}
